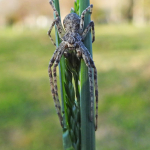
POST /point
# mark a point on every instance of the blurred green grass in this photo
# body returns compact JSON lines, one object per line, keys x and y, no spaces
{"x":28,"y":119}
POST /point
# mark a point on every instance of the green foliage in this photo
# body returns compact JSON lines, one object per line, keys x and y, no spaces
{"x":76,"y":6}
{"x":72,"y":100}
{"x":87,"y":126}
{"x":28,"y":119}
{"x":71,"y":130}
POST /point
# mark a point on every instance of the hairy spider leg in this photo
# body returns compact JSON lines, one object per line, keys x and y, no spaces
{"x":86,"y":59}
{"x":87,"y":29}
{"x":57,"y":60}
{"x":53,"y":7}
{"x":57,"y":104}
{"x":49,"y":32}
{"x":96,"y":88}
{"x":88,"y":9}
{"x":56,"y":22}
{"x":96,"y":93}
{"x":59,"y":27}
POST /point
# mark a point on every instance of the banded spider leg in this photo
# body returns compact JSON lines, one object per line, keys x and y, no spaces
{"x":53,"y":82}
{"x":87,"y":29}
{"x":88,"y":9}
{"x":90,"y":64}
{"x":58,"y":24}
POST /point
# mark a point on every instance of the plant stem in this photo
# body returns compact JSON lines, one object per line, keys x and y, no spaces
{"x":70,"y":108}
{"x":87,"y":127}
{"x":78,"y":132}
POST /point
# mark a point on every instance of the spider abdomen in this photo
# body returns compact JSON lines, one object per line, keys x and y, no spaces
{"x":72,"y":22}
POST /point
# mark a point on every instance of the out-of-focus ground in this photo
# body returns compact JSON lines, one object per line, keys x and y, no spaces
{"x":37,"y":13}
{"x":28,"y":120}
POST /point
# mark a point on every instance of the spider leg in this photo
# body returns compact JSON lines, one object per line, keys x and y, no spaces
{"x":57,"y":60}
{"x":56,"y":22}
{"x":89,"y":8}
{"x":86,"y":59}
{"x":51,"y":82}
{"x":96,"y":88}
{"x":57,"y":104}
{"x":59,"y":27}
{"x":90,"y":63}
{"x":87,"y":29}
{"x":49,"y":32}
{"x":53,"y":7}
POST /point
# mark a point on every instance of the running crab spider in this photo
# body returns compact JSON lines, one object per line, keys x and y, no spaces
{"x":72,"y":36}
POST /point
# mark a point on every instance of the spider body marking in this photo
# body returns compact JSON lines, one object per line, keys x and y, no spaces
{"x":72,"y":36}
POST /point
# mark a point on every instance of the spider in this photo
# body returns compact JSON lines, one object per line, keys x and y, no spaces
{"x":72,"y":36}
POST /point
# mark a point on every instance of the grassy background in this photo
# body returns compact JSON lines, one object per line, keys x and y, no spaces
{"x":28,"y":119}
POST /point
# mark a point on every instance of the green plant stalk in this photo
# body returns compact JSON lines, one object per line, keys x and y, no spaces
{"x":62,"y":69}
{"x":69,"y":70}
{"x":78,"y":131}
{"x":87,"y":127}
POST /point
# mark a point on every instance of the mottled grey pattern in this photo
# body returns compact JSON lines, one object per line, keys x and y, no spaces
{"x":72,"y":36}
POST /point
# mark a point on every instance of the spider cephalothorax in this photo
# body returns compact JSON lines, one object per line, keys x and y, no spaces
{"x":72,"y":36}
